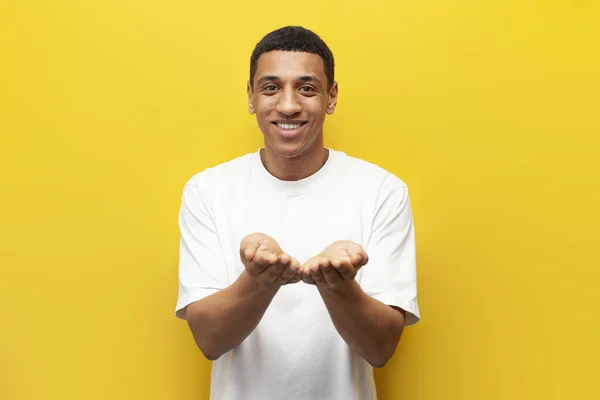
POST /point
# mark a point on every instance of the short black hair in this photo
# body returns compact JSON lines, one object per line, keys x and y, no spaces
{"x":294,"y":38}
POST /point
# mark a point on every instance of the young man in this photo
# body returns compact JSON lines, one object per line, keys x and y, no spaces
{"x":297,"y":262}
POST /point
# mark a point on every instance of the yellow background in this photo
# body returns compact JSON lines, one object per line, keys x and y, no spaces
{"x":489,"y":110}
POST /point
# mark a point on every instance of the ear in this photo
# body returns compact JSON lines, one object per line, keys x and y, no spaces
{"x":333,"y":96}
{"x":250,"y":102}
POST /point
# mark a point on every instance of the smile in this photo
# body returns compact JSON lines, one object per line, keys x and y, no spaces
{"x":289,"y":126}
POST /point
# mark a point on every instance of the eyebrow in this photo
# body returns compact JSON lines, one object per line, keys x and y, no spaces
{"x":310,"y":78}
{"x":273,"y":78}
{"x":267,"y":78}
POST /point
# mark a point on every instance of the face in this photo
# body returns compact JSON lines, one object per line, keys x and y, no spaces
{"x":290,"y":99}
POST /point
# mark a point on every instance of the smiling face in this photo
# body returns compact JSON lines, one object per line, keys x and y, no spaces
{"x":290,"y":97}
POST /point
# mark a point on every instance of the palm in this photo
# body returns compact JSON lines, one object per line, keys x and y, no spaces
{"x":268,"y":249}
{"x":337,"y":263}
{"x":260,"y":248}
{"x":264,"y":260}
{"x":344,"y":252}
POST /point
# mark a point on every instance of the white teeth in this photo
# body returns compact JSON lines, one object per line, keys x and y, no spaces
{"x":288,"y":126}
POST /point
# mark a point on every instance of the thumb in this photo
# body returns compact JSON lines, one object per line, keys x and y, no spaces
{"x":364,"y":258}
{"x":249,"y":254}
{"x":358,"y":256}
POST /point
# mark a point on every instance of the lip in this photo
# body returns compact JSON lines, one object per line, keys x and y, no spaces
{"x":289,"y":133}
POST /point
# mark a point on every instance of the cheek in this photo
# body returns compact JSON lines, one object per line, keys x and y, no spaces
{"x":264,"y":107}
{"x":263,"y":115}
{"x":316,"y":108}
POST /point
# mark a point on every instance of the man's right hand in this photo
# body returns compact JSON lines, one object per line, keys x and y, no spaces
{"x":266,"y":262}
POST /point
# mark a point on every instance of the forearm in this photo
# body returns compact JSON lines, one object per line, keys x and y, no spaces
{"x":223,"y":320}
{"x":372,"y":329}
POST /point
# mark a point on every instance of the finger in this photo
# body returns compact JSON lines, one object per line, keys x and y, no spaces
{"x":288,"y":273}
{"x":248,"y":254}
{"x":294,"y":279}
{"x":337,"y":262}
{"x":358,"y":255}
{"x":365,"y":258}
{"x":285,"y":258}
{"x":273,"y":273}
{"x":247,"y":243}
{"x":346,"y":271}
{"x":356,"y":259}
{"x":260,"y":264}
{"x":262,"y":254}
{"x":306,"y":270}
{"x":318,"y":278}
{"x":359,"y":259}
{"x":266,"y":258}
{"x":344,"y":267}
{"x":288,"y":269}
{"x":317,"y":275}
{"x":249,"y":260}
{"x":296,"y":268}
{"x":331,"y":275}
{"x":306,"y":275}
{"x":310,"y":267}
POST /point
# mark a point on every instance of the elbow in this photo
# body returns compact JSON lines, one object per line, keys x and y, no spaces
{"x":210,"y":352}
{"x":379,"y":362}
{"x":383,"y":356}
{"x":210,"y":356}
{"x":205,"y":339}
{"x":378,"y":365}
{"x":380,"y":356}
{"x":386,"y":349}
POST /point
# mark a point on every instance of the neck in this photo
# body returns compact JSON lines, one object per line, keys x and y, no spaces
{"x":294,"y":168}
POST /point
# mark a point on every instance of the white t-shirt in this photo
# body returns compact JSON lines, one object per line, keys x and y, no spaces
{"x":295,"y":353}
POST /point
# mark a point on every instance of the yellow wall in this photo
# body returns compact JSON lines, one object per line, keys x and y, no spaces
{"x":489,"y":110}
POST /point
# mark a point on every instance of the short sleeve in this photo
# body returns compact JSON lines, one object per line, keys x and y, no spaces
{"x":390,"y":276}
{"x":202,"y":269}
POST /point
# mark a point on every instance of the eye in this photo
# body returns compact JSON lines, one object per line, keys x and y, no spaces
{"x":270,"y":88}
{"x":307,"y":89}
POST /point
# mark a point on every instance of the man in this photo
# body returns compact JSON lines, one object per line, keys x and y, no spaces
{"x":273,"y":275}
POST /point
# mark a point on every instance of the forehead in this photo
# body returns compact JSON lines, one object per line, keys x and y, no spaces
{"x":289,"y":65}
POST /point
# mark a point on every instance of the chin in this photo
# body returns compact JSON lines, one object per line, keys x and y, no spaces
{"x":286,"y":150}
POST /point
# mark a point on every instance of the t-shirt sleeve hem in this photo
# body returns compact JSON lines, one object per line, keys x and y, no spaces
{"x":190,"y":298}
{"x":411,"y":307}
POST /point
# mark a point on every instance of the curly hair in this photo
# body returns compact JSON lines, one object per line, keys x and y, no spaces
{"x":294,"y":38}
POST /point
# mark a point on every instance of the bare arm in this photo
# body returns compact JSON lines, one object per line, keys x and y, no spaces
{"x":223,"y":320}
{"x":372,"y":329}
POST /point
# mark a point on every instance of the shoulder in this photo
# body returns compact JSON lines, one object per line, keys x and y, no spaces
{"x":221,"y":174}
{"x":369,"y":175}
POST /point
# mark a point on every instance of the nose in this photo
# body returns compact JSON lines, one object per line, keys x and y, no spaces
{"x":289,"y":103}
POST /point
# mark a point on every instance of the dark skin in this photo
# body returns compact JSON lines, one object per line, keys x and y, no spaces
{"x":291,"y":87}
{"x":290,"y":97}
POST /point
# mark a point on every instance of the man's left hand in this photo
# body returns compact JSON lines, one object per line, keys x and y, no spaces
{"x":336,"y":265}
